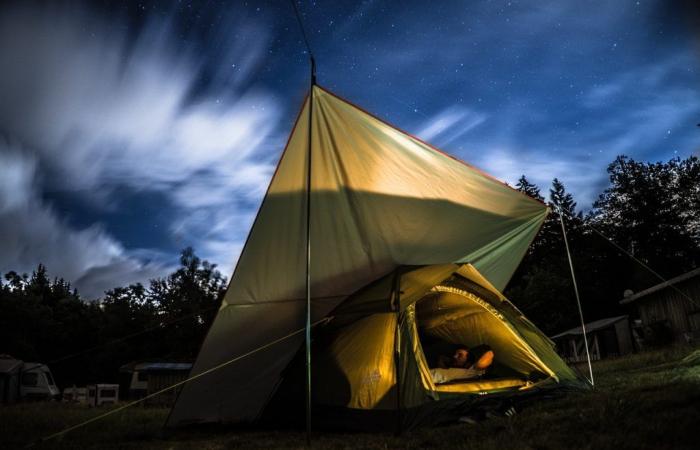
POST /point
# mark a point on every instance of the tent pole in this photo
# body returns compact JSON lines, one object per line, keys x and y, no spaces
{"x":578,"y":299}
{"x":308,"y":256}
{"x":308,"y":227}
{"x":397,"y":349}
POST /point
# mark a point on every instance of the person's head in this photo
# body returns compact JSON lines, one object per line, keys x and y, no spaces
{"x":460,"y":357}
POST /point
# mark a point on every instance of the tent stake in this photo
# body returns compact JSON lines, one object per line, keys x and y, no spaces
{"x":578,"y":299}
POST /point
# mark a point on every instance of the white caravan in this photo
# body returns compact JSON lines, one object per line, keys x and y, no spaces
{"x":36,"y":382}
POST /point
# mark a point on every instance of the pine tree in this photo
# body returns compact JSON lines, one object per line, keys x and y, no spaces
{"x":562,"y":200}
{"x":530,"y":189}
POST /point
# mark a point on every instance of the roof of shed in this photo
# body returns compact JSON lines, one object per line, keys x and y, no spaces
{"x":592,"y":326}
{"x":660,"y":286}
{"x":155,"y":366}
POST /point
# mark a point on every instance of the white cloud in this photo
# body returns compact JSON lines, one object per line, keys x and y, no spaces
{"x":100,"y":110}
{"x":603,"y":94}
{"x":16,"y":178}
{"x":450,"y":124}
{"x":32,"y":233}
{"x":643,"y":83}
{"x":637,"y":113}
{"x":508,"y":164}
{"x":121,"y":114}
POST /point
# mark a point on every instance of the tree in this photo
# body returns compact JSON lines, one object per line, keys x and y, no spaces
{"x":652,"y":211}
{"x":193,"y":291}
{"x":562,"y":200}
{"x":541,"y":287}
{"x":688,"y":195}
{"x":524,"y":186}
{"x":88,"y":341}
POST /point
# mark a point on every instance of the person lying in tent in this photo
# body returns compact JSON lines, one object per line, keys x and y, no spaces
{"x":464,"y":364}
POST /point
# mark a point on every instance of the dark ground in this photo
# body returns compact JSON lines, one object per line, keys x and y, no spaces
{"x":647,"y":400}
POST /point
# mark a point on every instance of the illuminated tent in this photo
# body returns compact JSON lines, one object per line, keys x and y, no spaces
{"x":404,"y":240}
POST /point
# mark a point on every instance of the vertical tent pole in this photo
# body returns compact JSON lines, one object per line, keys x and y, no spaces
{"x":308,"y":227}
{"x":578,"y":299}
{"x":396,"y":305}
{"x":308,"y":256}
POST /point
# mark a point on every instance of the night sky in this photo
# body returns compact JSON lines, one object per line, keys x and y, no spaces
{"x":130,"y":131}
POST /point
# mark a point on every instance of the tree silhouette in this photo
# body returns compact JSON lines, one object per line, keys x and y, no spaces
{"x":524,"y":185}
{"x":650,"y":209}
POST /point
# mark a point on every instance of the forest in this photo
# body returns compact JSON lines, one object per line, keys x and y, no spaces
{"x":649,"y":214}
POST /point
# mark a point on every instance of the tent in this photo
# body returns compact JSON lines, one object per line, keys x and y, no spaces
{"x":405,"y":240}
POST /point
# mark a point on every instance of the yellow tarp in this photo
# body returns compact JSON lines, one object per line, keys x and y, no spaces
{"x":379,"y":199}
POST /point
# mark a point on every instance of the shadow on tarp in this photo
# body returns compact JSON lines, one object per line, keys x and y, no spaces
{"x":383,"y":230}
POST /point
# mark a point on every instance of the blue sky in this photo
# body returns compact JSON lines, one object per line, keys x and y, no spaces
{"x":128,"y":132}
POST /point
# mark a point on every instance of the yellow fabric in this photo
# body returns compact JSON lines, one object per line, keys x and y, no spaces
{"x":356,"y":369}
{"x":418,"y":386}
{"x":470,"y":273}
{"x":416,"y":283}
{"x":380,"y":199}
{"x":541,"y":344}
{"x":463,"y":318}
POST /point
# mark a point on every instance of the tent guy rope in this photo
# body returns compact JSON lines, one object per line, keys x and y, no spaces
{"x":578,"y":298}
{"x":132,"y":335}
{"x":126,"y":337}
{"x":640,"y":262}
{"x":194,"y":377}
{"x":301,"y":27}
{"x":561,"y":214}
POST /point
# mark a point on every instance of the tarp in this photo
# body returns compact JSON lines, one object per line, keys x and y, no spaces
{"x":380,"y":199}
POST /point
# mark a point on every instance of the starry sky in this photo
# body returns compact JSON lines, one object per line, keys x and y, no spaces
{"x":130,"y":130}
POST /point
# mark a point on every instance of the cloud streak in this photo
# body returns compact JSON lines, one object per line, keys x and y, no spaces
{"x":94,"y":109}
{"x":102,"y":114}
{"x":450,"y":124}
{"x":33,"y":232}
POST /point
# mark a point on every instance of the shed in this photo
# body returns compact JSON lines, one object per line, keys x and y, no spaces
{"x":667,"y":315}
{"x":145,"y":378}
{"x":607,"y":338}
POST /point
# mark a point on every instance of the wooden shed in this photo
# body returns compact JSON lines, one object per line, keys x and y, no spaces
{"x":667,"y":315}
{"x":607,"y":338}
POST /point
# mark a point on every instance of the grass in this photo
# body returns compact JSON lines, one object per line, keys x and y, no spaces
{"x":643,"y":401}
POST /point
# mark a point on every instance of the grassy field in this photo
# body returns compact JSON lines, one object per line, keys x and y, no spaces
{"x":647,"y":400}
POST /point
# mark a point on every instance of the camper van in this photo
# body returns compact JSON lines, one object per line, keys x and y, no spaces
{"x":25,"y":380}
{"x":36,"y":382}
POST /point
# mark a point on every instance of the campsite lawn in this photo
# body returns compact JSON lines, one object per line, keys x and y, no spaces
{"x":647,"y":400}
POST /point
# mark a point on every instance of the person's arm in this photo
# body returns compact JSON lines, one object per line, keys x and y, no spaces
{"x":485,"y":361}
{"x":481,"y":357}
